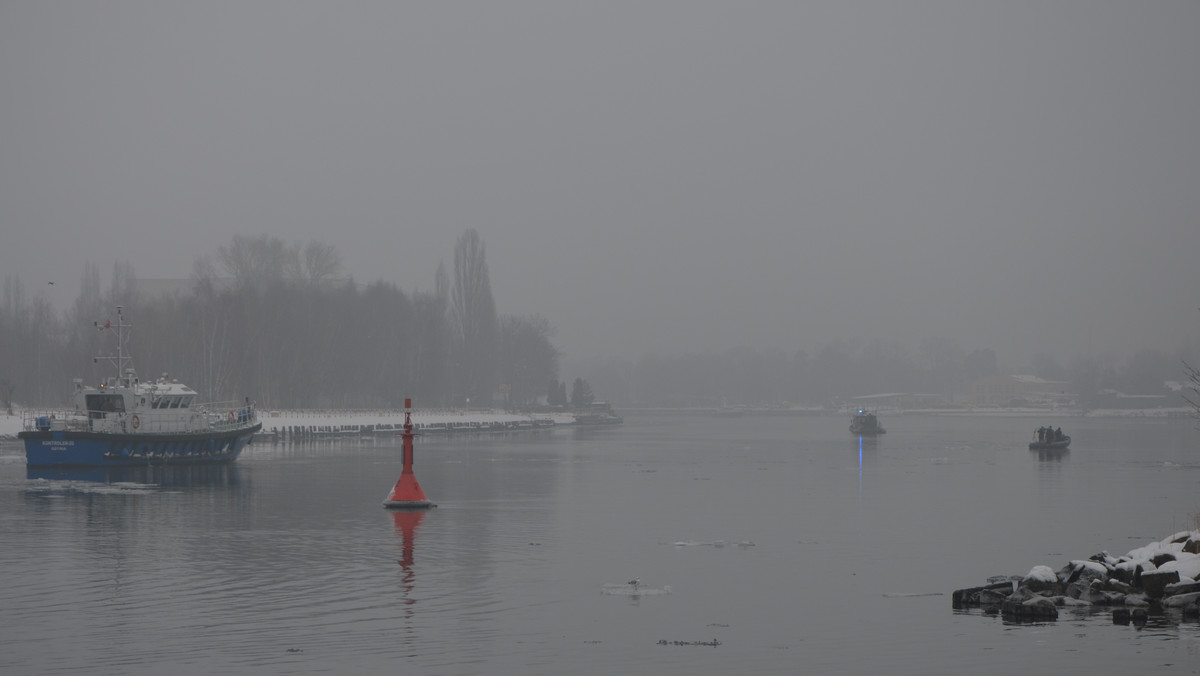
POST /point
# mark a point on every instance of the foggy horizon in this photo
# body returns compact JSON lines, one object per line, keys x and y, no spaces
{"x":662,"y":177}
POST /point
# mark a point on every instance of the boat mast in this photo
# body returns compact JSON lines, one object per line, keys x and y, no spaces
{"x":120,"y":359}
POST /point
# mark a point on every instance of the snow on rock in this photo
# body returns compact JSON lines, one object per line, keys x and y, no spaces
{"x":1168,"y":545}
{"x":1041,"y":574}
{"x":1188,"y":566}
{"x":1094,"y":566}
{"x":1162,"y":574}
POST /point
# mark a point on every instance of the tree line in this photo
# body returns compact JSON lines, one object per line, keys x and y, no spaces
{"x":280,"y":324}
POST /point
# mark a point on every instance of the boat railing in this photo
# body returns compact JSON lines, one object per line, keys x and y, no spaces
{"x":52,"y":419}
{"x":218,"y":416}
{"x":228,"y":415}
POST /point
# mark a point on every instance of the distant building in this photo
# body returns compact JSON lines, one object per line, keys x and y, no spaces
{"x":1110,"y":398}
{"x":899,"y":400}
{"x":1002,"y":391}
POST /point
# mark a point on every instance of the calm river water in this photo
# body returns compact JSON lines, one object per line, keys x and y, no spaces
{"x":764,"y":545}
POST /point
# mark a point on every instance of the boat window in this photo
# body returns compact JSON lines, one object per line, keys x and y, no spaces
{"x":104,"y":403}
{"x":174,"y":402}
{"x":157,"y":402}
{"x":187,"y":401}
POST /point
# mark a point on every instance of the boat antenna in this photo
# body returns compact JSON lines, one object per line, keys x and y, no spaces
{"x":120,"y":358}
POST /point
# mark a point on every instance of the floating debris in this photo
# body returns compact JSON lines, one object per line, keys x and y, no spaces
{"x":715,"y":543}
{"x":633,"y":588}
{"x":713,"y":643}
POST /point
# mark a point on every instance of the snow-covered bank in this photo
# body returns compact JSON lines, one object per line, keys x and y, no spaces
{"x":277,"y":421}
{"x":306,"y":424}
{"x":10,"y":425}
{"x":1140,"y":413}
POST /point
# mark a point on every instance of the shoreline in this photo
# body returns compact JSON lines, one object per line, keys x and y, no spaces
{"x":274,"y":422}
{"x":333,"y":421}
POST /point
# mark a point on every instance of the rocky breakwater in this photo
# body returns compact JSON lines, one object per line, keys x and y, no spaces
{"x":1163,"y":576}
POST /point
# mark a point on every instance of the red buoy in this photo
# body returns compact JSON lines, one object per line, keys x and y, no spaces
{"x":407,"y":493}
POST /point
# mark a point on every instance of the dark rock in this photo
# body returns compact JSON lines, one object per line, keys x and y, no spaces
{"x":1136,"y":600}
{"x":1043,"y":587}
{"x":1154,"y":583}
{"x":1036,"y":608}
{"x":1180,"y":588}
{"x":1139,"y":617}
{"x":993,"y":597}
{"x":1083,"y":589}
{"x":1192,"y":546}
{"x":1121,"y":616}
{"x":1125,"y":574}
{"x":1162,"y":557}
{"x":1070,"y":574}
{"x":1021,"y":595}
{"x":1099,"y":597}
{"x":1083,"y":573}
{"x":1076,"y":590}
{"x":1117,"y":586}
{"x":971,"y":596}
{"x":1182,"y":601}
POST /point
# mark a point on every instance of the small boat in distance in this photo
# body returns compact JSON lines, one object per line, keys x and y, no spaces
{"x":124,"y":421}
{"x":865,"y":423}
{"x":1049,"y":439}
{"x":597,"y":413}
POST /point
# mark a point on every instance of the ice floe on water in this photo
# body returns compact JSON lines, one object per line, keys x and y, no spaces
{"x":714,"y":543}
{"x":633,"y":588}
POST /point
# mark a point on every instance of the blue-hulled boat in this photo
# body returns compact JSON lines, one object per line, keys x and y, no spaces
{"x":124,"y":421}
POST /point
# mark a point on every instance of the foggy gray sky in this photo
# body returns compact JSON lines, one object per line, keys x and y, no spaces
{"x":1023,"y":176}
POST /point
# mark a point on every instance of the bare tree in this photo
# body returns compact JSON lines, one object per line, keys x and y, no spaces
{"x":320,"y":262}
{"x":124,"y":283}
{"x":1191,"y":392}
{"x":256,"y":262}
{"x":6,"y":395}
{"x":473,"y":323}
